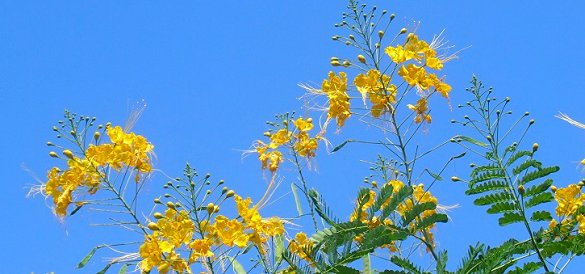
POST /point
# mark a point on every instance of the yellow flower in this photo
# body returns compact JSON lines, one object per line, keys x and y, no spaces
{"x":415,"y":76}
{"x":569,"y":199}
{"x":200,"y":248}
{"x":397,"y":54}
{"x":152,"y":251}
{"x":270,"y":159}
{"x":379,"y":90}
{"x":306,"y":146}
{"x":176,"y":227}
{"x":421,"y":110}
{"x":336,"y":89}
{"x":230,"y":232}
{"x":304,"y":125}
{"x":282,"y":136}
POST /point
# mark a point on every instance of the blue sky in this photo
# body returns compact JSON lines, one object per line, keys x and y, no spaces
{"x":213,"y":71}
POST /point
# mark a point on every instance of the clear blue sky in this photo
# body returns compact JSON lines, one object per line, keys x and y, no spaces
{"x":213,"y":71}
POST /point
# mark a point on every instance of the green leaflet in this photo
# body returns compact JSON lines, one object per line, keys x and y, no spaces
{"x":485,"y":187}
{"x":407,"y":265}
{"x":519,"y":154}
{"x":416,"y":211}
{"x":492,"y":198}
{"x":537,"y":189}
{"x":510,"y":218}
{"x":431,"y":220}
{"x":538,"y":216}
{"x":502,"y":207}
{"x":396,"y":199}
{"x":469,"y":140}
{"x":537,"y":199}
{"x":537,"y":174}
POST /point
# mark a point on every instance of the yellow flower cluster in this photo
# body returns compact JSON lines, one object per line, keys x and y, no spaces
{"x":61,"y":184}
{"x":160,"y":248}
{"x":126,"y":149}
{"x":336,"y":90}
{"x":303,"y":144}
{"x":569,"y":200}
{"x":378,"y":89}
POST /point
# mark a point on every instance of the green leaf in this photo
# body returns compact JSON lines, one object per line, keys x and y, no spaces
{"x":397,"y":198}
{"x":485,"y":187}
{"x":479,"y":169}
{"x":367,"y":265}
{"x":492,"y":198}
{"x":407,"y":265}
{"x":529,"y":267}
{"x":501,"y":208}
{"x":533,"y":175}
{"x":88,"y":257}
{"x":470,"y":140}
{"x":537,"y":189}
{"x":434,"y":175}
{"x":459,"y":155}
{"x":236,"y":266}
{"x":384,"y":195}
{"x":517,"y":155}
{"x":488,"y":176}
{"x":524,"y":166}
{"x":105,"y":269}
{"x":431,"y":220}
{"x":538,"y":216}
{"x":296,"y":197}
{"x":340,"y":146}
{"x":123,"y":269}
{"x":537,"y":199}
{"x":278,"y":248}
{"x":344,"y":270}
{"x":321,"y":208}
{"x":510,"y":218}
{"x":416,"y":211}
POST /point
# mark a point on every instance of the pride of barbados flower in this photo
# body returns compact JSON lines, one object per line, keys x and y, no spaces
{"x":86,"y":170}
{"x":298,"y":139}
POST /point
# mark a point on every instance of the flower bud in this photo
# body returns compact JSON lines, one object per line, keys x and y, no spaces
{"x":68,"y":153}
{"x":455,"y":179}
{"x":53,"y":154}
{"x":361,"y":58}
{"x":392,"y":16}
{"x":403,"y":31}
{"x":374,"y":184}
{"x":158,"y":215}
{"x":230,"y":193}
{"x":224,"y":190}
{"x":96,"y":135}
{"x":210,"y":208}
{"x":521,"y":190}
{"x":153,"y":226}
{"x":553,"y":189}
{"x":377,"y":45}
{"x":335,"y":63}
{"x":170,"y":205}
{"x":381,"y":34}
{"x":157,"y":201}
{"x":216,"y":209}
{"x":531,"y":122}
{"x":534,"y":147}
{"x":50,"y":144}
{"x":346,"y":64}
{"x":72,"y":132}
{"x":351,"y":37}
